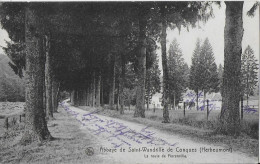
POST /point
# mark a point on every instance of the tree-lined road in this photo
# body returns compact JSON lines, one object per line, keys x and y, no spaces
{"x":106,"y":53}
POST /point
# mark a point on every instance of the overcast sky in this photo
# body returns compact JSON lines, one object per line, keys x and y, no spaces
{"x":213,"y":29}
{"x":3,"y":37}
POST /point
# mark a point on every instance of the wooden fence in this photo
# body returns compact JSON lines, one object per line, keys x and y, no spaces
{"x":13,"y":119}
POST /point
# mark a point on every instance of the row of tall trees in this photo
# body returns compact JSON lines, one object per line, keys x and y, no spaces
{"x":15,"y":50}
{"x":87,"y":47}
{"x":82,"y":70}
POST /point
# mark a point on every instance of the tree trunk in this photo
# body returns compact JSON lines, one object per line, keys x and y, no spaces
{"x":48,"y":79}
{"x":117,"y":104}
{"x":148,"y":92}
{"x":197,"y":99}
{"x":122,"y":84}
{"x":140,"y":93}
{"x":44,"y":92}
{"x":247,"y":86}
{"x":112,"y":84}
{"x":87,"y":97}
{"x":117,"y":95}
{"x":76,"y":98}
{"x":147,"y":104}
{"x":58,"y":96}
{"x":94,"y":90}
{"x":204,"y":99}
{"x":102,"y":92}
{"x":166,"y":118}
{"x":230,"y":121}
{"x":98,"y":91}
{"x":55,"y":92}
{"x":247,"y":97}
{"x":72,"y":97}
{"x":129,"y":101}
{"x":174,"y":97}
{"x":35,"y":123}
{"x":242,"y":108}
{"x":80,"y":97}
{"x":90,"y":94}
{"x":84,"y":98}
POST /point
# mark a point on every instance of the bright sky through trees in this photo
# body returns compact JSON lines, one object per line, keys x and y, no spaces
{"x":214,"y":30}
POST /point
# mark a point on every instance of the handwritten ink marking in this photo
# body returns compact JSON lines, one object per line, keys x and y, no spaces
{"x":247,"y":109}
{"x":115,"y":132}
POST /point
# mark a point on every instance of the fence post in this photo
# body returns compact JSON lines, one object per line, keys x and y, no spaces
{"x":154,"y":108}
{"x":184,"y":108}
{"x":242,"y":110}
{"x":14,"y":121}
{"x":20,"y":118}
{"x":207,"y":109}
{"x":6,"y":123}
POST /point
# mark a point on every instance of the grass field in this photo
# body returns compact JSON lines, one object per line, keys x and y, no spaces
{"x":198,"y":119}
{"x":10,"y":108}
{"x":191,"y":114}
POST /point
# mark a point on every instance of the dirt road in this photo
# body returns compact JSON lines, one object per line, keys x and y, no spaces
{"x":128,"y":142}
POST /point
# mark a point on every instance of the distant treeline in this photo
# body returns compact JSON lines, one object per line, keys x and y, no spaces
{"x":11,"y":89}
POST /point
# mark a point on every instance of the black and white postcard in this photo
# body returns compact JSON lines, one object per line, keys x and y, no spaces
{"x":125,"y":82}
